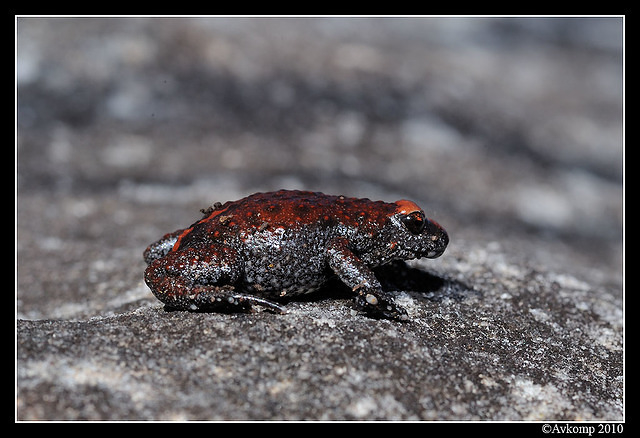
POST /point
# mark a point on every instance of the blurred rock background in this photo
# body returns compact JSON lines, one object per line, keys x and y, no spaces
{"x":507,"y":130}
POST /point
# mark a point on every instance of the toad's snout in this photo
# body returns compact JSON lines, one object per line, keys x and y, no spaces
{"x":439,"y":238}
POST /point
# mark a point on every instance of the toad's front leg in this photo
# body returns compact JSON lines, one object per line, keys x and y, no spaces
{"x":361,"y":279}
{"x":199,"y":280}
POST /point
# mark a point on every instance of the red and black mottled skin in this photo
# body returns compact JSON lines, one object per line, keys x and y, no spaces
{"x":285,"y":243}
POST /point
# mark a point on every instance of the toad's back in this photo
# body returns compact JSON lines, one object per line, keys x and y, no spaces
{"x":285,"y":209}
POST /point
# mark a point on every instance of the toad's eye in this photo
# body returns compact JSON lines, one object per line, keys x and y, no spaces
{"x":414,"y":222}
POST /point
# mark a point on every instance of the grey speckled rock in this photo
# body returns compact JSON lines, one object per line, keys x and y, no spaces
{"x":521,"y":345}
{"x":507,"y":130}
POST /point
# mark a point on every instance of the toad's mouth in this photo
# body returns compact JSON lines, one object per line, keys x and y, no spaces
{"x":426,"y":254}
{"x":431,"y":254}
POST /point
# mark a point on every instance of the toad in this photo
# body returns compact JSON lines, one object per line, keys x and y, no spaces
{"x":259,"y":249}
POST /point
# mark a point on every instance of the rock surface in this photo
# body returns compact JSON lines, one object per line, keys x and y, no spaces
{"x":508,"y":131}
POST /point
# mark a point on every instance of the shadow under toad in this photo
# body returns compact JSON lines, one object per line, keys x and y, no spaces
{"x":400,"y":277}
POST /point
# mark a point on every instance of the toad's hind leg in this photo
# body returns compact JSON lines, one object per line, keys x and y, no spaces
{"x":201,"y":282}
{"x":257,"y":301}
{"x":221,"y":298}
{"x":161,"y":247}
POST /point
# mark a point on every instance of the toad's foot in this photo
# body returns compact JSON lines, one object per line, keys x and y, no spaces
{"x":220,"y":298}
{"x":379,"y":305}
